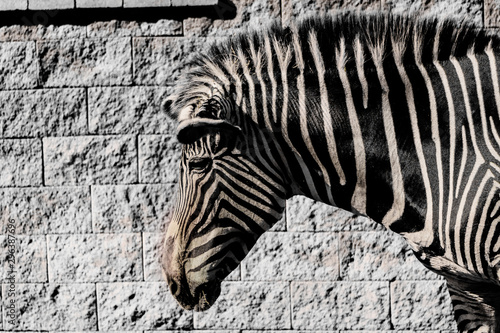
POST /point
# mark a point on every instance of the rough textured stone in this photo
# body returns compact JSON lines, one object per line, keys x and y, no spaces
{"x":146,"y":3}
{"x":194,"y":2}
{"x":304,"y":214}
{"x":86,"y":62}
{"x":248,"y":305}
{"x":98,"y":3}
{"x":234,"y":16}
{"x":160,"y":28}
{"x":18,"y":65}
{"x":293,"y":256}
{"x":139,"y":306}
{"x":20,"y":162}
{"x":61,"y":307}
{"x":492,"y":13}
{"x":46,"y":210}
{"x":471,"y":10}
{"x":159,"y":157}
{"x":90,"y":160}
{"x":375,"y":256}
{"x":29,"y":260}
{"x":160,"y":61}
{"x":52,"y":32}
{"x":421,"y":305}
{"x":198,"y":331}
{"x":112,"y":332}
{"x":14,"y":5}
{"x":34,"y":31}
{"x":152,"y":245}
{"x":340,"y":305}
{"x":316,"y":331}
{"x":295,"y":9}
{"x":128,"y":110}
{"x":135,"y":29}
{"x":132,"y":208}
{"x":48,"y":112}
{"x":95,"y":258}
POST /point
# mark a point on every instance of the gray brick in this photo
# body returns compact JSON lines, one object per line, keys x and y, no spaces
{"x":14,"y":5}
{"x":316,"y":331}
{"x":29,"y":259}
{"x":293,"y":256}
{"x":470,"y":10}
{"x":152,"y":267}
{"x":304,"y":214}
{"x":160,"y":28}
{"x":139,"y":306}
{"x":421,"y":305}
{"x":146,"y":3}
{"x":132,"y":208}
{"x":376,"y":256}
{"x":128,"y":110}
{"x":295,"y":9}
{"x":20,"y":162}
{"x":51,"y":4}
{"x":61,"y":307}
{"x":59,"y":32}
{"x":195,"y":2}
{"x":95,"y":258}
{"x":100,"y":332}
{"x":135,"y":29}
{"x":248,"y":305}
{"x":198,"y":331}
{"x":18,"y":65}
{"x":161,"y":60}
{"x":159,"y":157}
{"x":98,"y":3}
{"x":48,"y":112}
{"x":390,"y":331}
{"x":90,"y":160}
{"x":46,"y":210}
{"x":86,"y":62}
{"x":96,"y":332}
{"x":247,"y":14}
{"x":491,"y":13}
{"x":40,"y":32}
{"x":340,"y":305}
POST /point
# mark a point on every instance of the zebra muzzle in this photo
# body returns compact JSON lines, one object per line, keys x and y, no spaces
{"x":203,"y":297}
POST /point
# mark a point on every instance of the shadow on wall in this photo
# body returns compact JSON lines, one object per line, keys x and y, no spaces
{"x":224,"y":10}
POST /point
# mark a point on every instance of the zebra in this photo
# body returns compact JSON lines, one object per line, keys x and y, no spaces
{"x":389,"y":116}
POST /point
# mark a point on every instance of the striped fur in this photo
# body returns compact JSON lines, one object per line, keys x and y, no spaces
{"x":387,"y":116}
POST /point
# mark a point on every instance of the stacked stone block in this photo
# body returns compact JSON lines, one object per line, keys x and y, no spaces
{"x":88,"y":172}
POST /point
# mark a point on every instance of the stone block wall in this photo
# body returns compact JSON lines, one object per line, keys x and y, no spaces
{"x":88,"y":169}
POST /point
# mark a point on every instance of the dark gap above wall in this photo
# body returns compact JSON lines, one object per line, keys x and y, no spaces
{"x":225,"y":10}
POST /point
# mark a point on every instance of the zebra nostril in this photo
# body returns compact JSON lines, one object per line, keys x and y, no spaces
{"x":174,"y":287}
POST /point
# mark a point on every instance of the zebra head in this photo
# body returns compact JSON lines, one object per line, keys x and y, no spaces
{"x":227,"y":198}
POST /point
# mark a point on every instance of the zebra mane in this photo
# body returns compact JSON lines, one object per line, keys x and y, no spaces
{"x":378,"y":36}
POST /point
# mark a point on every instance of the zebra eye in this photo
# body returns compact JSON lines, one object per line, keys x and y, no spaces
{"x":200,"y":164}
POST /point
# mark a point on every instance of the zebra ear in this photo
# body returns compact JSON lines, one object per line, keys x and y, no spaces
{"x":191,"y":130}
